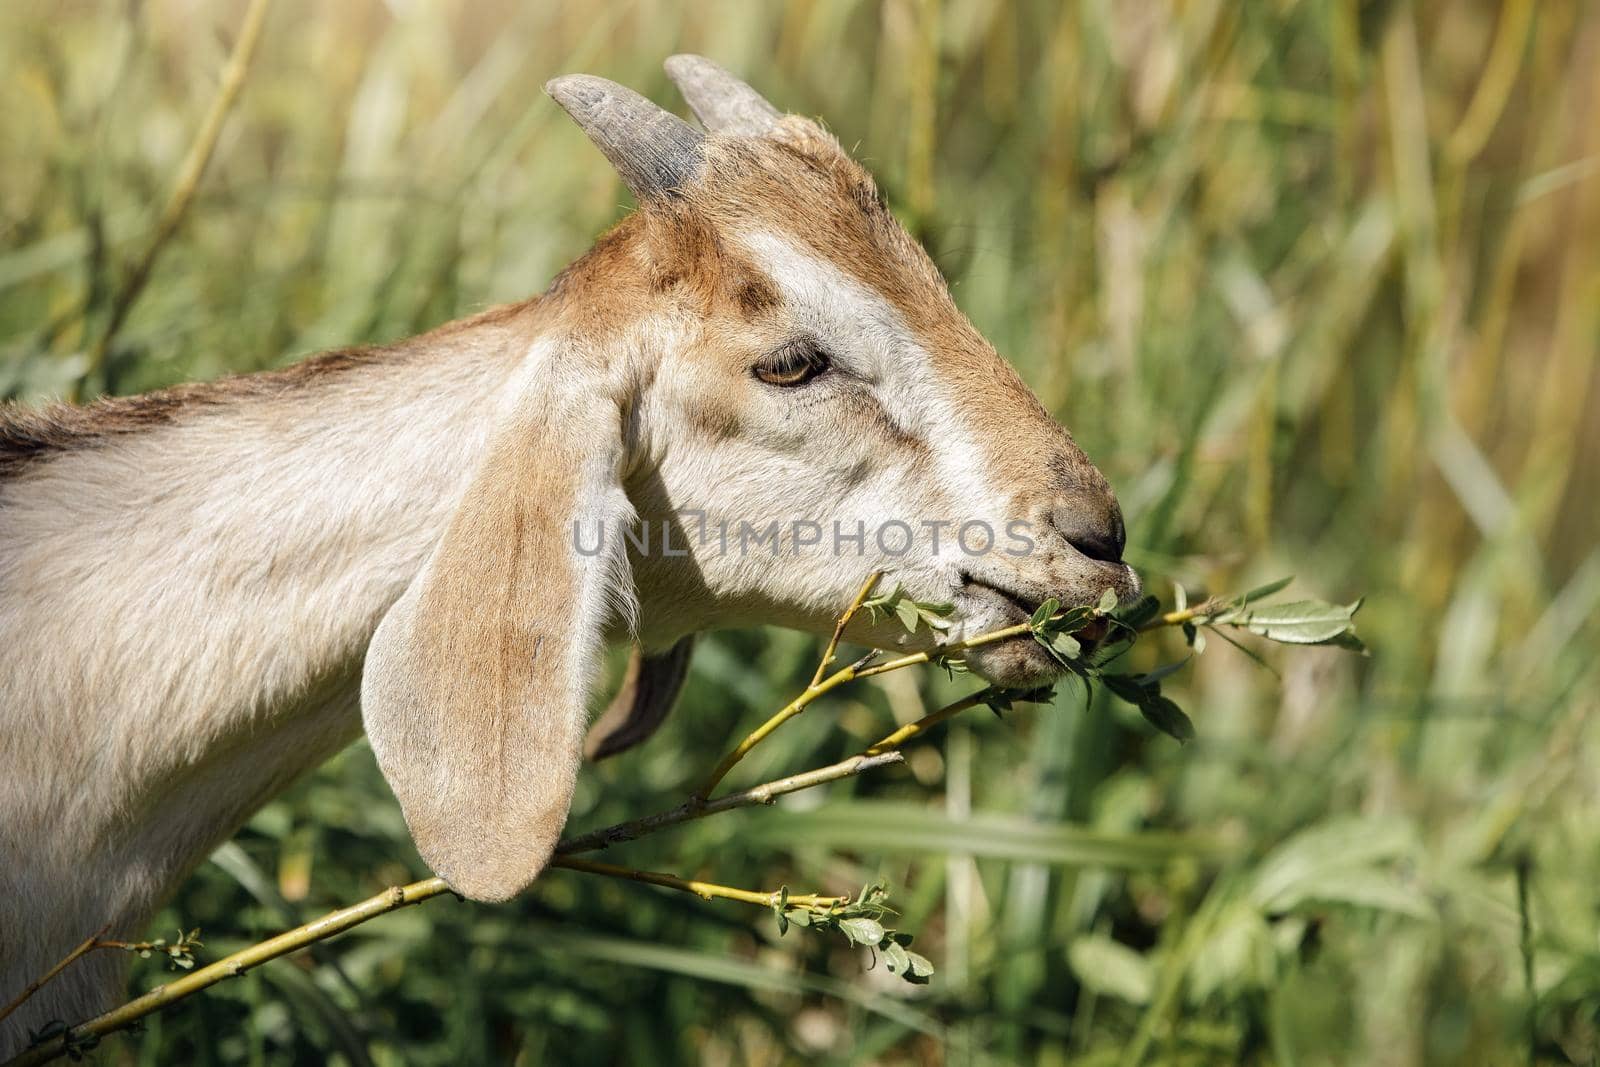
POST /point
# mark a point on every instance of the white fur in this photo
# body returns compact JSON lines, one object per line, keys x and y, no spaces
{"x":184,"y":610}
{"x":183,"y":613}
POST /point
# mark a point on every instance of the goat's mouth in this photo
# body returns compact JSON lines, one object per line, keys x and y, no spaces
{"x":1018,"y":661}
{"x":1023,"y":607}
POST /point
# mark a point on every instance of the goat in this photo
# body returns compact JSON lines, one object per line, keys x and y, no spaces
{"x":207,"y":591}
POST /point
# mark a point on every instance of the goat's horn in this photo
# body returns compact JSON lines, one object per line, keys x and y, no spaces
{"x":653,"y":150}
{"x":721,"y":102}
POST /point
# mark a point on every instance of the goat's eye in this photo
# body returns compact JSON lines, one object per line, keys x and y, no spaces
{"x":793,"y":363}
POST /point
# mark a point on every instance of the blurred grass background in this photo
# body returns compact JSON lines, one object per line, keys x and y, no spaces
{"x":1316,"y":283}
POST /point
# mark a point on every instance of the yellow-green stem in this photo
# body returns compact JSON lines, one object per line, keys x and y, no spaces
{"x":912,"y":730}
{"x":703,"y":890}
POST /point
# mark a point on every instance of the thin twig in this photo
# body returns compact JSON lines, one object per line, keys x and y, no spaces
{"x":229,"y":967}
{"x":762,"y":732}
{"x":89,"y":944}
{"x":190,"y":172}
{"x":912,"y":730}
{"x":882,"y":753}
{"x":861,"y":669}
{"x":864,"y":668}
{"x":819,"y":685}
{"x":703,"y":890}
{"x":844,"y":620}
{"x":944,"y":651}
{"x":691,"y":810}
{"x":337,"y":922}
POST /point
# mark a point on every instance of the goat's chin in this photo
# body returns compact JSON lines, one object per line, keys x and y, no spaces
{"x":1017,"y":663}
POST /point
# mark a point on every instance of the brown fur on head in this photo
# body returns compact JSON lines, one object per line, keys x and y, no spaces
{"x":760,"y":349}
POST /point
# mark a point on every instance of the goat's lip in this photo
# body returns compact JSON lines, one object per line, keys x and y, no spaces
{"x":1024,"y":607}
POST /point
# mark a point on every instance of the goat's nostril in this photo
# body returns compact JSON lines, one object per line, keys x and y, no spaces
{"x":1100,"y":537}
{"x":1105,"y":548}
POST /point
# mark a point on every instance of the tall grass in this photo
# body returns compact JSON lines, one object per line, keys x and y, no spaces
{"x":1316,"y":283}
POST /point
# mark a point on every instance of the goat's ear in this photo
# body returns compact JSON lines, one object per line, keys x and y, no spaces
{"x":474,"y":693}
{"x":649,"y":689}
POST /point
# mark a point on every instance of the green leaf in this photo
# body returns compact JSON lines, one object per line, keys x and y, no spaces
{"x":1108,"y":602}
{"x":1239,"y":955}
{"x":1250,"y":653}
{"x":1261,"y":592}
{"x":1167,"y":717}
{"x":799,"y":916}
{"x":1302,"y":622}
{"x":1349,"y":642}
{"x":921,"y":969}
{"x":906,"y":611}
{"x":1042,"y":613}
{"x":1324,"y":854}
{"x":1125,"y":686}
{"x":1153,"y":678}
{"x":1111,"y":969}
{"x":1066,"y":646}
{"x":862,"y":931}
{"x":896,"y":958}
{"x":1362,"y":887}
{"x":1139,"y":612}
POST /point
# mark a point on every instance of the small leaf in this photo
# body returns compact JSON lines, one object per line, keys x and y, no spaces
{"x":921,"y":969}
{"x":1250,"y":653}
{"x":1125,"y":686}
{"x":799,"y":916}
{"x":1140,"y":612}
{"x":997,"y":701}
{"x":906,"y":611}
{"x":1349,"y":642}
{"x":1303,"y":622}
{"x":1154,"y":677}
{"x":1042,"y":613}
{"x":862,"y":931}
{"x":1180,"y":597}
{"x":1112,"y":969}
{"x":53,"y":1028}
{"x":1167,"y":717}
{"x":1108,"y":602}
{"x":1066,"y":646}
{"x":1261,"y":592}
{"x":896,"y":958}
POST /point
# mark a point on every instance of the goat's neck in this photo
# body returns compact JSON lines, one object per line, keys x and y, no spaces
{"x":183,"y":611}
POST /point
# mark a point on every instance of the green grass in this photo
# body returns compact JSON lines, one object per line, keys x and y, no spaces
{"x":1314,"y":282}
